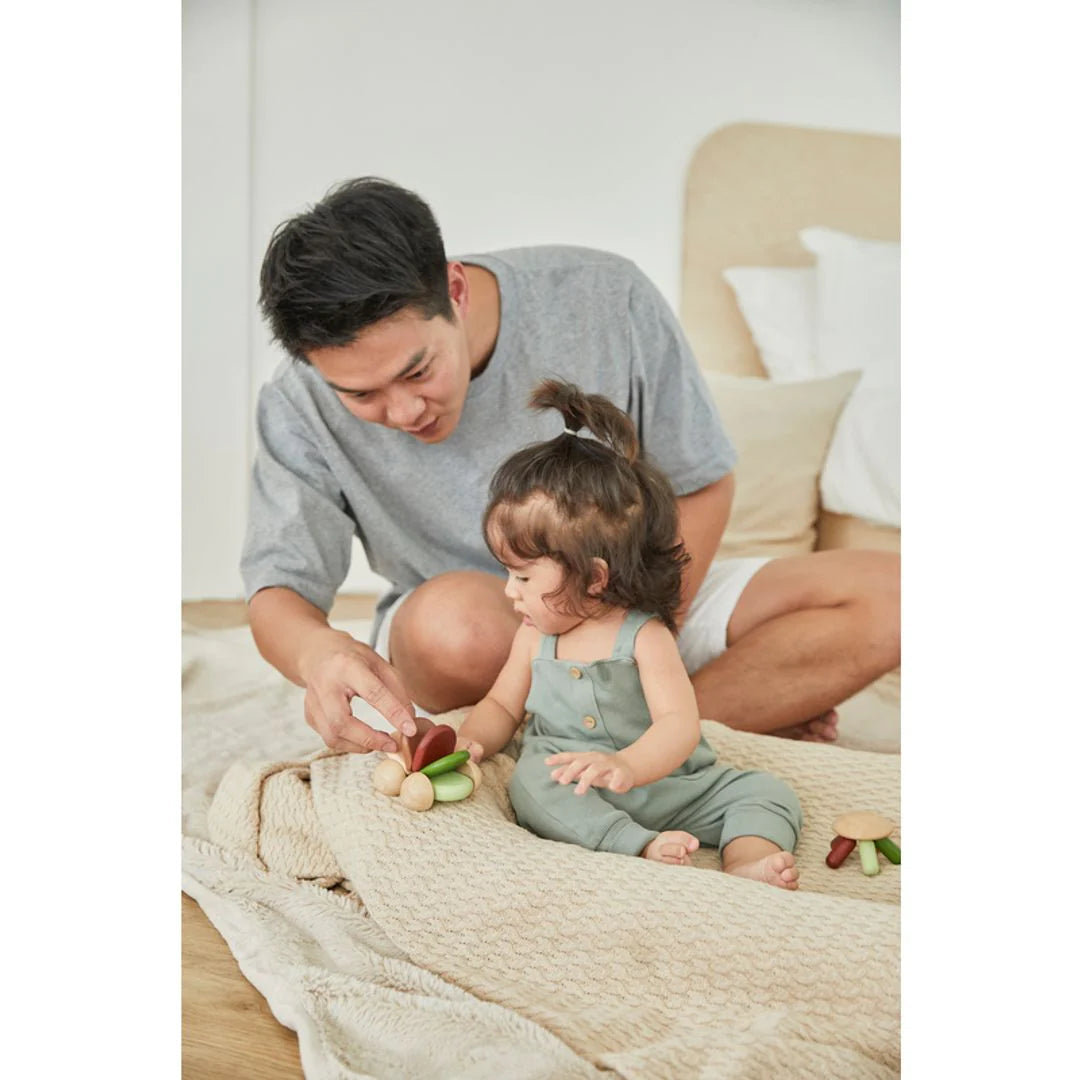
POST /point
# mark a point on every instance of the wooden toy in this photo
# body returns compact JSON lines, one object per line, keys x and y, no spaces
{"x":388,"y":777}
{"x":867,"y":831}
{"x":407,"y":744}
{"x":435,"y":744}
{"x":445,"y":764}
{"x":426,"y":769}
{"x":451,"y":786}
{"x":472,"y":771}
{"x":417,"y":792}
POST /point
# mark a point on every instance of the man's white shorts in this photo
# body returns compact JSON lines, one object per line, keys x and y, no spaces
{"x":704,"y":633}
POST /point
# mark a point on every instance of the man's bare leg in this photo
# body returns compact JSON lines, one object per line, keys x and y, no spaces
{"x":451,"y":637}
{"x":807,"y":633}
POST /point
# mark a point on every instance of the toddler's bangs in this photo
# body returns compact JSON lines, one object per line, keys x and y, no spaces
{"x":522,"y":532}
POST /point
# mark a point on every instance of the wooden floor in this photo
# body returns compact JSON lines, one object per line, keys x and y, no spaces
{"x":228,"y":1030}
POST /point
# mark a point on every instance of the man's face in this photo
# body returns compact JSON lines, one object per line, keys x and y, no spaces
{"x":405,"y":372}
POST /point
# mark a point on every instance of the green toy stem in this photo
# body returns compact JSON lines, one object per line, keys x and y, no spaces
{"x":446,"y":764}
{"x":889,"y":850}
{"x":868,"y":858}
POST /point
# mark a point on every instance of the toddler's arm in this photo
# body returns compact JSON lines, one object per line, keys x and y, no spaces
{"x":676,"y":726}
{"x":493,"y":721}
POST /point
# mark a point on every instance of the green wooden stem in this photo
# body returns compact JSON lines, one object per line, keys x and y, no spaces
{"x":446,"y":764}
{"x":868,"y":858}
{"x":889,"y":850}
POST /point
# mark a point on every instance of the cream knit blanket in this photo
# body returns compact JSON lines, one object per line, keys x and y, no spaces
{"x":455,"y":944}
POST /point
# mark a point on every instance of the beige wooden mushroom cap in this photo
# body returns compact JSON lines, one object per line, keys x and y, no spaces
{"x":399,"y":757}
{"x":863,"y":825}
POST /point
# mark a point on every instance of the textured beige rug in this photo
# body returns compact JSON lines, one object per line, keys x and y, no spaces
{"x":457,"y":944}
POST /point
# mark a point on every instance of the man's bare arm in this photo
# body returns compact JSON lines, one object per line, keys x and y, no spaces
{"x":286,"y":628}
{"x":703,"y":516}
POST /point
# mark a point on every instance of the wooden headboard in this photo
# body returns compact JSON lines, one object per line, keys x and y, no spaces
{"x":750,"y":189}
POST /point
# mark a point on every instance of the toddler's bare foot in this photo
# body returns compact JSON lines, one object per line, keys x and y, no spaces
{"x":671,"y":847}
{"x":777,"y":869}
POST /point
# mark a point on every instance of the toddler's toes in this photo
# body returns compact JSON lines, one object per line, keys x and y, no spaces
{"x":784,"y":869}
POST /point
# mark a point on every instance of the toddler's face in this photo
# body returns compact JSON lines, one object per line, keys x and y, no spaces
{"x":527,"y":584}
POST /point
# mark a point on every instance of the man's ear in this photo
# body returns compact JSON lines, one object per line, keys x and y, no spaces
{"x":598,"y":579}
{"x":458,"y":286}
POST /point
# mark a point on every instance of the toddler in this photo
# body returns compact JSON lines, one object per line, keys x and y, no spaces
{"x":612,"y":757}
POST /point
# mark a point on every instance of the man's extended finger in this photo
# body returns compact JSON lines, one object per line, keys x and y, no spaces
{"x":343,"y":731}
{"x":363,"y":682}
{"x":359,"y":738}
{"x":397,"y":700}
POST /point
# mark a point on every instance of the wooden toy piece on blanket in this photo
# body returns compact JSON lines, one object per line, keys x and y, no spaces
{"x":407,"y":744}
{"x":434,"y":772}
{"x":867,"y":831}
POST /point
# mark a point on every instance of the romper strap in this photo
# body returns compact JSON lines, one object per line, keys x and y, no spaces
{"x":547,"y":647}
{"x":628,"y":632}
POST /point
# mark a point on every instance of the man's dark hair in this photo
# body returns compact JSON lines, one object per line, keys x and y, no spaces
{"x":366,"y":251}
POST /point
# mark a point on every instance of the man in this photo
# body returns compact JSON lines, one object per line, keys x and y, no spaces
{"x":407,"y":385}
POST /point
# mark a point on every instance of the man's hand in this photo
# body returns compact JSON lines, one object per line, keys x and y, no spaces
{"x":338,"y":668}
{"x":591,"y":768}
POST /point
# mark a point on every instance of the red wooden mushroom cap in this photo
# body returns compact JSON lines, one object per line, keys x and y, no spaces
{"x":407,"y":744}
{"x":434,"y":744}
{"x":863,"y":825}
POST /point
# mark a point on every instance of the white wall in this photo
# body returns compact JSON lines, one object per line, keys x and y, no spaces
{"x":217,"y":292}
{"x":573,"y":122}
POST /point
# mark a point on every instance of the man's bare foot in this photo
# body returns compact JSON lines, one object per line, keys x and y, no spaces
{"x":817,"y":729}
{"x":671,"y":847}
{"x":777,"y":869}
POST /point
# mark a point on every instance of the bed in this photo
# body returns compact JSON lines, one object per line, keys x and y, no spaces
{"x":751,"y":190}
{"x":454,"y":943}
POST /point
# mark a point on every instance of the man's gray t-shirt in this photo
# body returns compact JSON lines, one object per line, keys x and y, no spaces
{"x":322,"y":476}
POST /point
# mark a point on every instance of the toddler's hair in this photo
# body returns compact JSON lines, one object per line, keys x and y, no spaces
{"x":573,"y":499}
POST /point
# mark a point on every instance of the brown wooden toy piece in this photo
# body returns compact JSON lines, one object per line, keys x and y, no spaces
{"x":407,"y":744}
{"x":436,"y":743}
{"x":867,"y":831}
{"x":841,"y":848}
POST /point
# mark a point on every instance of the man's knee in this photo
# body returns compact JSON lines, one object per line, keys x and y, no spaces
{"x":874,"y":598}
{"x":864,"y":583}
{"x":459,"y":625}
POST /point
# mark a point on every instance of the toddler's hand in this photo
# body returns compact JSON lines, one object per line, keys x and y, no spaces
{"x":592,"y":769}
{"x":476,"y":751}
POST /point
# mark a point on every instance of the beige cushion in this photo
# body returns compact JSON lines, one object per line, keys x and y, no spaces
{"x":841,"y":531}
{"x":782,"y":433}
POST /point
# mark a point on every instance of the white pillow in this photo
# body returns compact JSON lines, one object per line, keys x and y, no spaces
{"x":858,"y":304}
{"x":780,"y":308}
{"x":842,"y":315}
{"x":858,"y":328}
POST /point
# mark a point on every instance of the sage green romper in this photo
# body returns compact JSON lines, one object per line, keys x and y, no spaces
{"x":601,"y":706}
